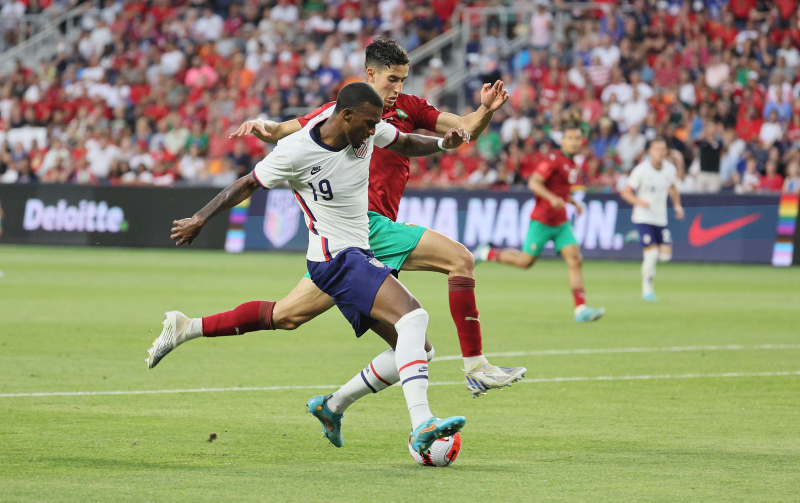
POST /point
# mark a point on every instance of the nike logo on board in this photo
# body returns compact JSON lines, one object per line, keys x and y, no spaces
{"x":698,"y":236}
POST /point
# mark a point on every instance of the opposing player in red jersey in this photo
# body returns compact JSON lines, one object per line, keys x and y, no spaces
{"x":401,"y":246}
{"x":552,"y":183}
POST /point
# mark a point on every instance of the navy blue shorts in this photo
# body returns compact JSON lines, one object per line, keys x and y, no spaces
{"x":353,"y":279}
{"x":653,"y":235}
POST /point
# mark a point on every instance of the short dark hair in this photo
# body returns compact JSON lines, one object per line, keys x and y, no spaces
{"x":573,"y":121}
{"x":356,"y":95}
{"x":657,"y":139}
{"x":385,"y":52}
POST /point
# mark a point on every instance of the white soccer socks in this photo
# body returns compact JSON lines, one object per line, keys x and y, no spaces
{"x":470,"y":361}
{"x":378,"y":375}
{"x":412,"y":364}
{"x":649,"y":260}
{"x":195,"y":329}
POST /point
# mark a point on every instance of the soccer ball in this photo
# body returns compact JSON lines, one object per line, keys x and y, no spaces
{"x":443,"y":452}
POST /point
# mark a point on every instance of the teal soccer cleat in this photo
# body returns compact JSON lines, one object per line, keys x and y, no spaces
{"x":331,"y":422}
{"x":589,"y":314}
{"x":433,"y":429}
{"x":650,"y":297}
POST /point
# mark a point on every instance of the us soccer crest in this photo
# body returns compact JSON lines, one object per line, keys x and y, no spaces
{"x":361,"y":152}
{"x":282,"y":217}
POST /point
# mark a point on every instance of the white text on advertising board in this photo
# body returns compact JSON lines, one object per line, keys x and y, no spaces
{"x":504,"y":222}
{"x":86,"y":216}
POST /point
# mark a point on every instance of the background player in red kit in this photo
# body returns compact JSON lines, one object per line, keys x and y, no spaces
{"x":398,"y":245}
{"x":552,"y":183}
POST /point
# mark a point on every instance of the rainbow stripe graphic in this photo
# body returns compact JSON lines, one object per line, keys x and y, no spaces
{"x":783,"y":251}
{"x":234,"y":239}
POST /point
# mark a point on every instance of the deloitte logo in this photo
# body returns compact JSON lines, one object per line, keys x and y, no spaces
{"x":87,"y":216}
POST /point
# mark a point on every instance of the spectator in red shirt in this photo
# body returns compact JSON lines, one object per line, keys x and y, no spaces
{"x":793,"y":132}
{"x":726,"y":32}
{"x":771,"y":182}
{"x":523,"y":95}
{"x":444,"y":9}
{"x":435,"y":78}
{"x":667,"y":72}
{"x":741,"y":8}
{"x":748,"y":127}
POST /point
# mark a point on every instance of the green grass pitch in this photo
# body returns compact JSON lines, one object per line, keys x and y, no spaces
{"x":715,"y":420}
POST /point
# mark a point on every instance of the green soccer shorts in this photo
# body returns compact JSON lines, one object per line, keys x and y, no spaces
{"x":539,"y":234}
{"x":391,"y":241}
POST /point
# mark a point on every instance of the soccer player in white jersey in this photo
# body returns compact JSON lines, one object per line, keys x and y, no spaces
{"x":327,"y":166}
{"x":650,"y":183}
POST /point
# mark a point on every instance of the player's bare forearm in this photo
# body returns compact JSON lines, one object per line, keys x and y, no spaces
{"x":578,"y":205}
{"x":283,"y":129}
{"x":676,"y":202}
{"x":272,"y":128}
{"x":267,"y":131}
{"x":492,"y":98}
{"x":474,"y":123}
{"x":478,"y":120}
{"x":417,"y":145}
{"x":628,"y":195}
{"x":536,"y":185}
{"x":187,"y":229}
{"x":675,"y":196}
{"x":232,"y":195}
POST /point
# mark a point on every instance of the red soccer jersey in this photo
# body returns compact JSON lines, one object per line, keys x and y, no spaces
{"x":559,"y":172}
{"x":388,"y":172}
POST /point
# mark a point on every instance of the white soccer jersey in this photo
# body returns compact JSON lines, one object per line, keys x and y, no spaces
{"x":330,"y":185}
{"x":652,"y":185}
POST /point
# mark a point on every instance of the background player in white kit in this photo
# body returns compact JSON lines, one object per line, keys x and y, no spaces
{"x":327,"y":167}
{"x":650,"y":183}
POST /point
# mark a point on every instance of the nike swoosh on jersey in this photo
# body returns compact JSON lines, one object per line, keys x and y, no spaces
{"x":315,"y":170}
{"x":469,"y":318}
{"x":698,"y":236}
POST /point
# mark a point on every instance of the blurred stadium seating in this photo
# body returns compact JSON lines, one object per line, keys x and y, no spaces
{"x":131,"y":92}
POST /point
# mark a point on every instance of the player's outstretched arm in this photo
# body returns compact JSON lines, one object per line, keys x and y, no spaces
{"x":536,"y":185}
{"x":187,"y":229}
{"x":492,"y":98}
{"x":417,"y":145}
{"x":267,"y":131}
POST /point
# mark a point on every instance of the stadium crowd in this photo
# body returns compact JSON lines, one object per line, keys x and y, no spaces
{"x":151,"y":90}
